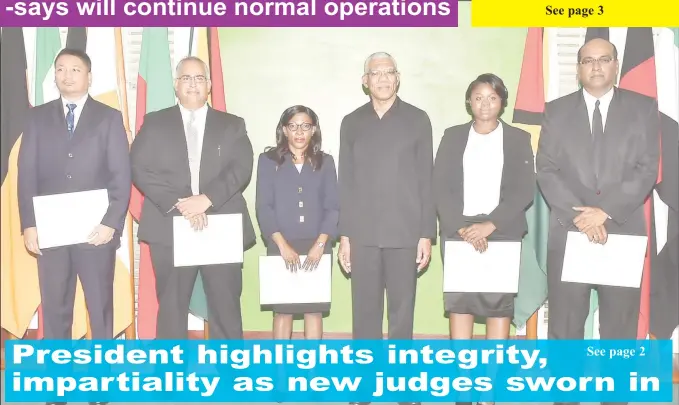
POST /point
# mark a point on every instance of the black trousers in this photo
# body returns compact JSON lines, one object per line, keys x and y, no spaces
{"x":373,"y":270}
{"x":223,"y":285}
{"x":58,"y":272}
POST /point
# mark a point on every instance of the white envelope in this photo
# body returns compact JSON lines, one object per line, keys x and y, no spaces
{"x":69,"y":218}
{"x":278,"y":285}
{"x":494,"y":271}
{"x":620,"y":262}
{"x":221,"y":242}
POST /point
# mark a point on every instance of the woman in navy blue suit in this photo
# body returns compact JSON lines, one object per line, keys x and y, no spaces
{"x":297,"y":207}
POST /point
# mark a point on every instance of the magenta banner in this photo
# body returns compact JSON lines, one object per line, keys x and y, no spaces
{"x":229,"y":13}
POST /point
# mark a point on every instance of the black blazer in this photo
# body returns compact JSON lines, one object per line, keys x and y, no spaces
{"x":96,"y":157}
{"x":299,"y":205}
{"x":517,"y":187}
{"x":627,"y":156}
{"x":160,"y":170}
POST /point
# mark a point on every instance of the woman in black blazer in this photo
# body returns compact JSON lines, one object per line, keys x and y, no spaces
{"x":484,"y":182}
{"x":297,"y":207}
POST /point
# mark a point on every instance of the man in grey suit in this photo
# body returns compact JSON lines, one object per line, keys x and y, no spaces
{"x":387,"y":214}
{"x":209,"y":179}
{"x":597,"y":161}
{"x":73,"y":144}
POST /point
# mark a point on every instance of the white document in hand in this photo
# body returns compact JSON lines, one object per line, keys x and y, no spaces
{"x":221,"y":242}
{"x":69,"y":218}
{"x":620,"y":262}
{"x":494,"y":271}
{"x":278,"y":285}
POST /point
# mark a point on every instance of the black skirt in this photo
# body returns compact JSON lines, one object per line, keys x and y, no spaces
{"x":485,"y":305}
{"x":302,"y":247}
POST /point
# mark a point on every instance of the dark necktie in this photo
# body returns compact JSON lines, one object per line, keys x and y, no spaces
{"x":597,"y":136}
{"x":70,"y":120}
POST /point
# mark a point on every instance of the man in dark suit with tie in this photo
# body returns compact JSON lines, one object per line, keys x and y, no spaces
{"x":74,"y":144}
{"x":597,"y":161}
{"x":191,"y":160}
{"x":387,"y":215}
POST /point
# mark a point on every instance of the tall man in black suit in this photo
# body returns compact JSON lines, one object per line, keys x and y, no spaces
{"x":387,"y":214}
{"x":597,"y":161}
{"x":73,"y":144}
{"x":209,"y":179}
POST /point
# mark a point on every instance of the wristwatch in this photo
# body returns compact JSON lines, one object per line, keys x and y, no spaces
{"x":320,"y":244}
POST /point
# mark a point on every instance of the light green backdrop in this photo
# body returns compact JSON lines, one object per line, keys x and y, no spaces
{"x":268,"y":70}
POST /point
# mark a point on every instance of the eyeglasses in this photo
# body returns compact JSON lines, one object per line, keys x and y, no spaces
{"x":188,"y":79}
{"x":292,"y":127}
{"x":376,"y":74}
{"x":604,"y":60}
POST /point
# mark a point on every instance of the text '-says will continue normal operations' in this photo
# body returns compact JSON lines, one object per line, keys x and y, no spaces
{"x":189,"y":8}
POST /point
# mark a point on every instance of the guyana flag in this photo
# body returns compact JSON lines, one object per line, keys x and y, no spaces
{"x":20,"y":295}
{"x":154,"y":92}
{"x":664,"y":294}
{"x":528,"y":110}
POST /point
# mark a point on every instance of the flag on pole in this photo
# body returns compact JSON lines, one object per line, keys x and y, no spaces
{"x":638,"y":74}
{"x":47,"y":46}
{"x":664,"y":300}
{"x":107,"y":62}
{"x":20,"y":294}
{"x":528,"y":111}
{"x":209,"y":52}
{"x":154,"y":92}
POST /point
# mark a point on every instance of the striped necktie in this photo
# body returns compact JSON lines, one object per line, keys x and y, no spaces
{"x":70,"y":119}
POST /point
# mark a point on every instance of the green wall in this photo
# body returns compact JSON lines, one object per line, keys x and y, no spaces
{"x":268,"y":70}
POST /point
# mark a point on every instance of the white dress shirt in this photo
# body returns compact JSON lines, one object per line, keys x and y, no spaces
{"x":483,"y":162}
{"x":80,"y":103}
{"x":604,"y":103}
{"x":199,"y":124}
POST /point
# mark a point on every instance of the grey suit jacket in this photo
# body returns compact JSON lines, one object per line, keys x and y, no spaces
{"x":96,"y":157}
{"x":627,"y":159}
{"x":160,"y":170}
{"x":517,"y":187}
{"x":385,"y":177}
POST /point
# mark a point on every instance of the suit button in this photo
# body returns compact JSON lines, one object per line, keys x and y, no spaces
{"x":70,"y":155}
{"x":68,"y":176}
{"x":598,"y":192}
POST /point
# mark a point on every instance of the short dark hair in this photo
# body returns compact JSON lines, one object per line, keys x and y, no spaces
{"x":78,"y":54}
{"x":493,"y":81}
{"x":615,"y":49}
{"x":314,"y":154}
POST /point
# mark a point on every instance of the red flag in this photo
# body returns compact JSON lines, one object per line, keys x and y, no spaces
{"x":217,"y":97}
{"x":530,"y":96}
{"x":638,"y":75}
